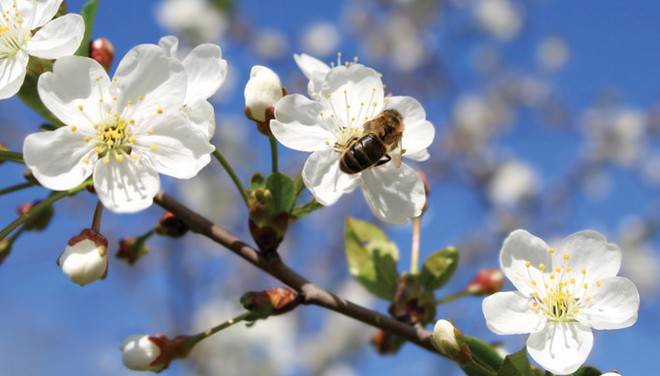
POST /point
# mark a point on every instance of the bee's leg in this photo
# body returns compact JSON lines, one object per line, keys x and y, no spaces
{"x":383,"y":161}
{"x":340,"y":147}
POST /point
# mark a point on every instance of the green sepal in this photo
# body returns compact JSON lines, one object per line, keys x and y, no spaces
{"x":281,"y":186}
{"x":303,"y":210}
{"x":516,"y":364}
{"x":257,"y":181}
{"x":587,"y":371}
{"x":371,"y":257}
{"x":484,"y":353}
{"x":88,"y":14}
{"x":438,"y":268}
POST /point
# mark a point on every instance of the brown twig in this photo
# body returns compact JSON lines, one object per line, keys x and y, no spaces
{"x":274,"y":266}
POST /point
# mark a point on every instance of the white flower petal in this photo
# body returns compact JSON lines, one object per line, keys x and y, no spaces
{"x":126,"y":187}
{"x":561,"y":348}
{"x":41,"y":11}
{"x":418,"y":132}
{"x":315,"y":70}
{"x":589,"y":249}
{"x":202,"y":116}
{"x":298,"y":124}
{"x":393,"y":194}
{"x":12,"y":74}
{"x":419,"y":156}
{"x":509,"y":313}
{"x":56,"y":158}
{"x":181,"y":150}
{"x":60,"y":37}
{"x":614,"y":305}
{"x":146,"y":72}
{"x":521,"y":247}
{"x":73,"y":83}
{"x":169,"y":44}
{"x":323,"y":178}
{"x":206,"y":71}
{"x":357,"y":87}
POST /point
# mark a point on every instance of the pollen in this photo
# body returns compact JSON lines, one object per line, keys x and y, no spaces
{"x":566,"y":256}
{"x":85,"y":160}
{"x":153,"y":147}
{"x":542,"y":267}
{"x":598,"y":283}
{"x":129,"y":102}
{"x":528,"y":264}
{"x":80,"y":107}
{"x":140,"y":97}
{"x":150,"y":131}
{"x":119,"y":157}
{"x":87,"y":138}
{"x":552,"y":250}
{"x":106,"y":160}
{"x":159,"y":110}
{"x":74,"y":128}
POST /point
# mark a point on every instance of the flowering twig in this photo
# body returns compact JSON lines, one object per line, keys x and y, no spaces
{"x":273,"y":265}
{"x":15,"y":188}
{"x":232,"y":174}
{"x":11,"y":156}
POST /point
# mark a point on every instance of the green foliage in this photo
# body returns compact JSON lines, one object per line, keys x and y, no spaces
{"x":88,"y":14}
{"x":587,"y":371}
{"x":484,"y":353}
{"x":438,"y":268}
{"x":257,"y":181}
{"x":306,"y":209}
{"x":283,"y":191}
{"x":371,"y":257}
{"x":516,"y":364}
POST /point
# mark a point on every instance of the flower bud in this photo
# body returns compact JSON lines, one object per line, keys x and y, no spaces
{"x":36,"y":221}
{"x":269,"y":303}
{"x":84,"y":259}
{"x":171,"y":226}
{"x":262,"y":92}
{"x":487,"y":281}
{"x":5,"y":248}
{"x":102,"y":51}
{"x":449,"y":341}
{"x":140,"y":353}
{"x":386,"y":343}
{"x":611,"y":373}
{"x":131,"y":249}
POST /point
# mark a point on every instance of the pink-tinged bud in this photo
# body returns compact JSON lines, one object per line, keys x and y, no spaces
{"x":36,"y":221}
{"x":131,"y":249}
{"x":171,"y":226}
{"x":386,"y":343}
{"x":449,"y":341}
{"x":262,"y":91}
{"x":611,"y":373}
{"x":269,"y":303}
{"x":84,"y":259}
{"x":427,"y":189}
{"x":153,"y":353}
{"x":487,"y":281}
{"x":102,"y":51}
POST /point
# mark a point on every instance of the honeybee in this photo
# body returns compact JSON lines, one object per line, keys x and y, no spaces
{"x":382,"y":136}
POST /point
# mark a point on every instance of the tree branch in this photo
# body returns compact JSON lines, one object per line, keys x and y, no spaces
{"x":274,"y":266}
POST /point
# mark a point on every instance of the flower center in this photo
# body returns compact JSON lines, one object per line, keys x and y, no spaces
{"x":559,"y":294}
{"x":13,"y":35}
{"x":113,"y":138}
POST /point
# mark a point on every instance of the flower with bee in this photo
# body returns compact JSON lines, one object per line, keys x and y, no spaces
{"x":357,"y":137}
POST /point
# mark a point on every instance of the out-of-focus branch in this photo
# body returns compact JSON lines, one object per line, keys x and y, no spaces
{"x":274,"y":266}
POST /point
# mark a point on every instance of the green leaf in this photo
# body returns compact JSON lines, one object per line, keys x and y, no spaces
{"x":587,"y":371}
{"x":484,"y":353}
{"x":372,"y":258}
{"x":30,"y":96}
{"x":516,"y":364}
{"x":298,"y":185}
{"x":438,"y":268}
{"x":306,"y":209}
{"x":281,"y":186}
{"x":88,"y":14}
{"x":257,"y":181}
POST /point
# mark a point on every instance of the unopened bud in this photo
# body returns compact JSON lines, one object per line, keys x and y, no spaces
{"x":487,"y":281}
{"x":5,"y":248}
{"x":84,"y":259}
{"x":36,"y":221}
{"x":427,"y":189}
{"x":102,"y":51}
{"x":262,"y":92}
{"x":269,"y":303}
{"x":611,"y":373}
{"x":171,"y":226}
{"x":386,"y":343}
{"x":131,"y":249}
{"x":449,"y":341}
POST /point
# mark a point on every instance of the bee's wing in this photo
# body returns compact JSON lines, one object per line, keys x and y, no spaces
{"x":398,"y":152}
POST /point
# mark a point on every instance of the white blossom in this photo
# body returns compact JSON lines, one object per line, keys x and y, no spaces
{"x":563,"y":293}
{"x":349,"y":97}
{"x":512,"y":182}
{"x":84,"y":259}
{"x":54,"y":38}
{"x":262,"y":92}
{"x":124,"y":131}
{"x":139,"y":353}
{"x":321,"y":38}
{"x":198,"y":20}
{"x":499,"y":17}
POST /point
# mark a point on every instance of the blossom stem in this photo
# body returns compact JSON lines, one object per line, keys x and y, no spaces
{"x":15,"y":188}
{"x":98,"y":213}
{"x":195,"y":339}
{"x":232,"y":173}
{"x":455,"y":296}
{"x":273,"y":152}
{"x":414,"y":249}
{"x":55,"y":196}
{"x":5,"y":249}
{"x":12,"y":156}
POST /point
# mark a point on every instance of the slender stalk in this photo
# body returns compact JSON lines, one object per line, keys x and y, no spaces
{"x":195,"y":339}
{"x":231,"y":173}
{"x":455,"y":296}
{"x":273,"y":152}
{"x":98,"y":213}
{"x":12,"y":156}
{"x":414,"y":249}
{"x":6,"y":249}
{"x":55,"y":196}
{"x":15,"y":188}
